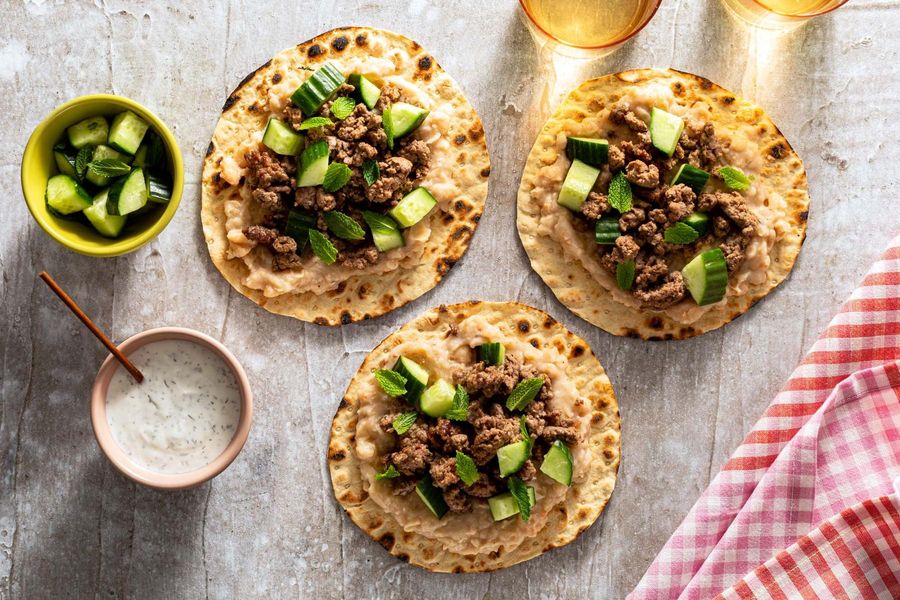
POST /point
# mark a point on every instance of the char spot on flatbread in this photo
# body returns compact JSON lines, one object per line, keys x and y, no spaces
{"x":485,"y":172}
{"x":346,"y":318}
{"x":535,"y":342}
{"x":210,"y":148}
{"x":229,"y":102}
{"x":804,"y":215}
{"x":425,"y":63}
{"x":320,"y":321}
{"x":524,"y":327}
{"x":476,"y":132}
{"x":677,"y":88}
{"x":315,"y":50}
{"x":340,"y":42}
{"x":337,"y":456}
{"x":459,"y":140}
{"x":276,"y":77}
{"x":655,"y":323}
{"x":776,"y":151}
{"x":549,"y":322}
{"x":577,"y":351}
{"x":361,"y":40}
{"x":728,"y":100}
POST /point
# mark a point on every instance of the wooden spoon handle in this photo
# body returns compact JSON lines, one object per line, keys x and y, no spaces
{"x":139,"y":377}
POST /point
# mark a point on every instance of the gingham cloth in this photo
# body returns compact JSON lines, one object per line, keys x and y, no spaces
{"x":829,"y":442}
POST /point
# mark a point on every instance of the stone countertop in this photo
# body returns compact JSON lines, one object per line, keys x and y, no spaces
{"x":71,"y":527}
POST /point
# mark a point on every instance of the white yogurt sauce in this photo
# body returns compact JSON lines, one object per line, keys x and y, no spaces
{"x":184,"y":413}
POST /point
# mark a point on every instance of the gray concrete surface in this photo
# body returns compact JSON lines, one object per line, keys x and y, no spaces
{"x":70,"y":527}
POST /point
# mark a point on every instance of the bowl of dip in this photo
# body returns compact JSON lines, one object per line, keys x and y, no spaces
{"x":186,"y":422}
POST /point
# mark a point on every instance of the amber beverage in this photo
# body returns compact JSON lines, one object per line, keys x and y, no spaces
{"x":589,"y":25}
{"x":781,"y":13}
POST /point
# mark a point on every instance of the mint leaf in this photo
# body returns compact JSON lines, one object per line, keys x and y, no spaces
{"x":343,"y":226}
{"x":519,"y":492}
{"x":370,"y":171}
{"x":625,"y":274}
{"x":524,"y":392}
{"x":680,"y":233}
{"x":322,"y":247}
{"x":343,"y":107}
{"x":108,"y":167}
{"x":388,"y":473}
{"x":336,"y":177}
{"x":404,"y":421}
{"x":466,"y":469}
{"x":82,"y":159}
{"x":392,"y":382}
{"x":380,"y":223}
{"x":315,"y":122}
{"x":619,"y":195}
{"x":735,"y":179}
{"x":460,"y":409}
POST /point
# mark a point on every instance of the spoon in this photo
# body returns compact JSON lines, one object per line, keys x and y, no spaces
{"x":138,"y":376}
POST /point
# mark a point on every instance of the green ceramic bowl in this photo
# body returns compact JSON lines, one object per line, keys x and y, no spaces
{"x":38,"y":165}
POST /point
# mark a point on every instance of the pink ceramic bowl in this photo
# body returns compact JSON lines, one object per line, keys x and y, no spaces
{"x":115,"y":454}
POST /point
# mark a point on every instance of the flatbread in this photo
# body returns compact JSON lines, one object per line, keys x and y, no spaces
{"x":583,"y":501}
{"x":574,"y":285}
{"x":246,"y":112}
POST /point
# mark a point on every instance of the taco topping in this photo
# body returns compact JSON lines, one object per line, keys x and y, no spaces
{"x":655,"y":211}
{"x":355,"y":183}
{"x":479,"y":439}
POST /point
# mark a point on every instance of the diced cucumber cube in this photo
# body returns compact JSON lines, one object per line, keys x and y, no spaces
{"x":65,"y":196}
{"x":413,"y":207}
{"x":93,"y":131}
{"x":106,"y":224}
{"x":127,"y":131}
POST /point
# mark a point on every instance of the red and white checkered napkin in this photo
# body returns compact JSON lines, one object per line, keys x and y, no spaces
{"x":829,"y":443}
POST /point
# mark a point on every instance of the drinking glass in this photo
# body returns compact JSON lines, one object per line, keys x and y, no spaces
{"x":781,"y":14}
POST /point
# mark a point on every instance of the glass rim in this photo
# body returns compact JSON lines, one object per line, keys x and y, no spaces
{"x":805,"y":15}
{"x":599,"y":46}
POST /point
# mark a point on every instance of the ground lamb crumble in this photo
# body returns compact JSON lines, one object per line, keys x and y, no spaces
{"x":430,"y":446}
{"x":656,"y":205}
{"x":360,"y":137}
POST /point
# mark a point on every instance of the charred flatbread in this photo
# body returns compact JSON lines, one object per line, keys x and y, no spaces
{"x":378,"y":463}
{"x":729,"y":184}
{"x":259,"y":205}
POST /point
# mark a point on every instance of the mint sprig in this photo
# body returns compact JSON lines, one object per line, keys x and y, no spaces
{"x":619,"y":195}
{"x":388,"y":473}
{"x":625,"y":274}
{"x":322,"y":247}
{"x":403,"y":422}
{"x":466,"y":469}
{"x":370,"y":171}
{"x":391,"y":382}
{"x":314,"y":122}
{"x":460,"y":409}
{"x":524,"y":392}
{"x":735,"y":179}
{"x":336,"y":177}
{"x":108,"y":167}
{"x":519,"y":492}
{"x":82,"y":159}
{"x":342,"y":107}
{"x":343,"y":226}
{"x":680,"y":233}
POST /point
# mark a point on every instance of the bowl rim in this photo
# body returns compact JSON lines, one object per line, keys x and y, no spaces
{"x":118,"y":458}
{"x":114,"y":248}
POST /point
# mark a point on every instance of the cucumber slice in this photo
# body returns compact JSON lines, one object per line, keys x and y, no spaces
{"x":431,"y":497}
{"x":492,"y":353}
{"x":65,"y":162}
{"x":404,"y":118}
{"x":93,"y":131}
{"x":297,"y":227}
{"x":127,"y":131}
{"x":106,"y":224}
{"x":691,"y":176}
{"x":366,"y":91}
{"x":706,"y":276}
{"x":152,"y":152}
{"x":578,"y":184}
{"x":588,"y":150}
{"x":698,"y":221}
{"x":158,"y":190}
{"x":557,"y":463}
{"x":606,"y":231}
{"x":100,"y":152}
{"x":127,"y":194}
{"x":65,"y":196}
{"x":385,"y":231}
{"x":504,"y":506}
{"x":511,"y":457}
{"x":416,"y":378}
{"x":413,"y":207}
{"x":437,"y":399}
{"x":665,"y":130}
{"x":318,"y":89}
{"x":281,"y":139}
{"x":313,"y":165}
{"x":140,"y":157}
